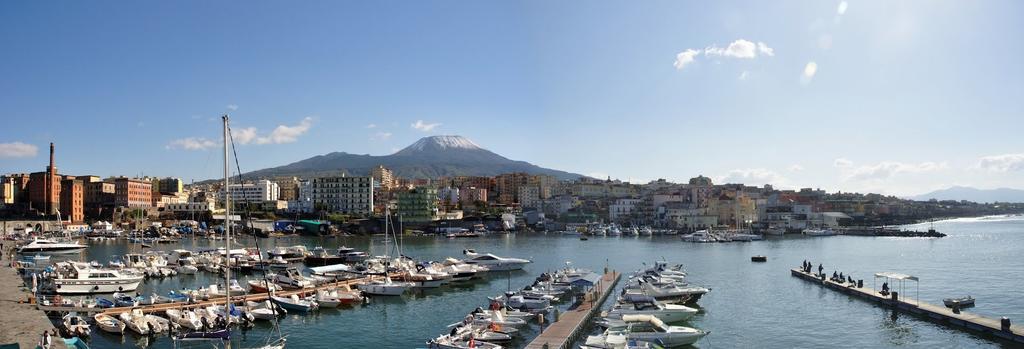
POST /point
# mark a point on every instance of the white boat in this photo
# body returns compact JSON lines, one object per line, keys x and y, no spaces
{"x":497,"y":318}
{"x":292,"y":279}
{"x":819,"y":232}
{"x":698,"y":236}
{"x":669,"y":313}
{"x":294,"y":303}
{"x":648,"y":328}
{"x":135,"y":321}
{"x":265,"y":310}
{"x":494,"y":263}
{"x":614,"y":340}
{"x":75,"y":325}
{"x":519,"y":301}
{"x":385,"y":287}
{"x":185,"y":318}
{"x":109,"y":323}
{"x":328,"y":298}
{"x":157,"y":324}
{"x":51,"y":246}
{"x":449,"y":342}
{"x":662,"y":291}
{"x":81,"y":278}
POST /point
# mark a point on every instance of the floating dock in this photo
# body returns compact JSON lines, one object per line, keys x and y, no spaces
{"x":570,"y":324}
{"x":940,"y":314}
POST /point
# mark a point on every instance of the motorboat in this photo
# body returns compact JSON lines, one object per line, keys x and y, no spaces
{"x":819,"y":232}
{"x":260,"y":286}
{"x":648,"y":328}
{"x":494,"y":263}
{"x":294,"y":303}
{"x":81,"y":278}
{"x":265,"y":310}
{"x":36,"y":257}
{"x":292,"y":279}
{"x":759,"y":258}
{"x":135,"y":321}
{"x":343,"y":295}
{"x":328,"y":298}
{"x":233,"y":286}
{"x":124,"y":300}
{"x":498,"y":319}
{"x":961,"y":302}
{"x":320,"y":257}
{"x":663,"y":291}
{"x":157,"y":324}
{"x":461,"y":271}
{"x":51,"y":246}
{"x":520,"y":301}
{"x":450,"y":342}
{"x":185,"y":318}
{"x":614,"y":341}
{"x":647,"y":305}
{"x":109,"y":323}
{"x":385,"y":287}
{"x":698,"y":236}
{"x":75,"y":325}
{"x":297,"y":251}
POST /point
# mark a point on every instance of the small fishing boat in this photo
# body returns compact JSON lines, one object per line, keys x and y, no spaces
{"x":135,"y":321}
{"x":962,"y":302}
{"x":75,"y":325}
{"x":294,"y":303}
{"x":261,"y":286}
{"x":109,"y":323}
{"x":265,"y":310}
{"x":185,"y":318}
{"x":759,"y":258}
{"x":75,"y":343}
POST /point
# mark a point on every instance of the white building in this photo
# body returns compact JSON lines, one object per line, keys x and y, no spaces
{"x":304,"y":199}
{"x":197,"y":207}
{"x":343,"y":194}
{"x":254,"y":193}
{"x":529,"y":196}
{"x":622,"y":208}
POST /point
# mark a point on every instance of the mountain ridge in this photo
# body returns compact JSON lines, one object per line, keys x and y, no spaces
{"x":428,"y":157}
{"x":973,"y":194}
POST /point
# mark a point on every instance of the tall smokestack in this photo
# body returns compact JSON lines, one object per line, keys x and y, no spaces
{"x":51,"y":156}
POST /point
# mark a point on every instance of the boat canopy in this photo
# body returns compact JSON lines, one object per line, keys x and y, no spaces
{"x":651,"y":319}
{"x":897,"y":276}
{"x":589,"y":279}
{"x":330,"y":268}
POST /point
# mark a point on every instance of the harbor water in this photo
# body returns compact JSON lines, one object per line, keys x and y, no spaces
{"x":751,"y":305}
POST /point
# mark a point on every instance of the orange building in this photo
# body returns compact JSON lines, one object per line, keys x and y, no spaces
{"x":131,"y":192}
{"x":72,"y":200}
{"x":44,"y":188}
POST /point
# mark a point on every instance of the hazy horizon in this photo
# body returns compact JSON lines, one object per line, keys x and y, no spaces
{"x":895,"y":98}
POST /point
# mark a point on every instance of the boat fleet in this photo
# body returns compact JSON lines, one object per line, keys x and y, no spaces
{"x":646,"y":313}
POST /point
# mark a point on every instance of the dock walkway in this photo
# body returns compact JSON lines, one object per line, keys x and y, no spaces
{"x":562,"y":333}
{"x":20,"y":322}
{"x":940,"y":314}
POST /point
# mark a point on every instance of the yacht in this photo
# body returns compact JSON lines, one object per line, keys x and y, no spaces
{"x":698,"y":236}
{"x":648,"y":328}
{"x":819,"y":232}
{"x":80,"y":278}
{"x":494,"y":263}
{"x":647,"y":305}
{"x":292,"y":279}
{"x":51,"y":246}
{"x":350,"y":255}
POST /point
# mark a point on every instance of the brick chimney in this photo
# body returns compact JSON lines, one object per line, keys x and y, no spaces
{"x":52,"y":168}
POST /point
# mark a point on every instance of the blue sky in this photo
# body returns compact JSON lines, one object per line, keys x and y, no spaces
{"x":906,"y":97}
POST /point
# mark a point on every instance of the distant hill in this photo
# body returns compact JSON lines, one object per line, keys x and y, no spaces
{"x":429,"y":157}
{"x":974,"y":194}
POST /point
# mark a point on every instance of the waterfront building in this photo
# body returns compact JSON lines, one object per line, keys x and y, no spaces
{"x":99,"y":196}
{"x":170,"y":186}
{"x":687,"y":217}
{"x":622,"y":209}
{"x":470,"y":196}
{"x":508,"y":185}
{"x":529,"y":197}
{"x":191,"y":207}
{"x":303,"y":201}
{"x":254,"y":193}
{"x":344,"y":194}
{"x":545,"y":185}
{"x":132,"y":192}
{"x":289,"y":188}
{"x":418,"y":205}
{"x":44,"y":188}
{"x":449,"y":197}
{"x":72,"y":200}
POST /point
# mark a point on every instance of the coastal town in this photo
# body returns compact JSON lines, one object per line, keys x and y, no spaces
{"x":353,"y":203}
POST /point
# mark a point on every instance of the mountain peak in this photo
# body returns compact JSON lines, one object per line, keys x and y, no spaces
{"x":439,"y":143}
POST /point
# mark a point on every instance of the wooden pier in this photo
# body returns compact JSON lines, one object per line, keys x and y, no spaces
{"x":239,"y":299}
{"x":569,"y":326}
{"x":937,"y":313}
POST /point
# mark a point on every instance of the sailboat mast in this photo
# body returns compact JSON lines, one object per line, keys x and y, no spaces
{"x":227,"y":226}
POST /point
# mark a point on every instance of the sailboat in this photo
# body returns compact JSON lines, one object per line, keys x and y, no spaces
{"x":386,"y":286}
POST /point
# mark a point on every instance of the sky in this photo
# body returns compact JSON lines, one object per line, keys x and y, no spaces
{"x":893,"y":97}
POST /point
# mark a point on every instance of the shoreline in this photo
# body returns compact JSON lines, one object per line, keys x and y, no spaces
{"x":20,"y":322}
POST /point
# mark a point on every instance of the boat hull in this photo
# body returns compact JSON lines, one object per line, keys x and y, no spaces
{"x":73,"y":286}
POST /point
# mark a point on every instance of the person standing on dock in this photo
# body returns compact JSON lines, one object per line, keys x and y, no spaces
{"x":821,"y":269}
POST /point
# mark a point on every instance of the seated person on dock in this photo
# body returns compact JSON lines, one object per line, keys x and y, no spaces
{"x":849,"y":279}
{"x":885,"y":289}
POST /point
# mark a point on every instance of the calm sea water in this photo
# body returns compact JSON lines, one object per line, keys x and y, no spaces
{"x":751,"y":305}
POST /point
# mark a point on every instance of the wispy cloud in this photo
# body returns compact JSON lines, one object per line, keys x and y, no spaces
{"x":1002,"y":163}
{"x":795,"y":168}
{"x":740,"y":48}
{"x":810,"y":70}
{"x":244,"y":135}
{"x":287,"y":134}
{"x":17,"y":150}
{"x":842,"y":163}
{"x":232,"y":107}
{"x":887,"y":169}
{"x":380,"y":136}
{"x":842,"y":8}
{"x":752,"y":176}
{"x":191,"y":143}
{"x":423,"y":126}
{"x":371,"y":126}
{"x":744,"y":75}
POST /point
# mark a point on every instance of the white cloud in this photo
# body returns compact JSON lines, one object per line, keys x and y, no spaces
{"x":380,"y":136}
{"x":423,"y":126}
{"x":842,"y":8}
{"x":287,"y":134}
{"x":842,"y":163}
{"x":191,"y":143}
{"x":809,"y":71}
{"x":887,"y":169}
{"x":598,"y":175}
{"x":371,"y":126}
{"x":744,"y":75}
{"x":232,"y":107}
{"x":684,"y":58}
{"x":752,"y":176}
{"x":1002,"y":163}
{"x":737,"y":49}
{"x":796,"y":168}
{"x":17,"y":150}
{"x":244,"y":135}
